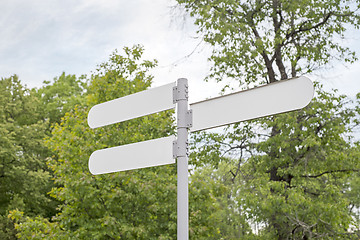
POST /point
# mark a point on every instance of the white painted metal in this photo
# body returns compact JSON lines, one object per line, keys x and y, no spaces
{"x":132,"y":156}
{"x":182,"y":161}
{"x":132,"y":106}
{"x":279,"y":97}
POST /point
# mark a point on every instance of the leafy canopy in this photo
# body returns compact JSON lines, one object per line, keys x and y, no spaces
{"x":261,"y":41}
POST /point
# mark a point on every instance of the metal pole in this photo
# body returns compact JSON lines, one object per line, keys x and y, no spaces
{"x":183,"y":124}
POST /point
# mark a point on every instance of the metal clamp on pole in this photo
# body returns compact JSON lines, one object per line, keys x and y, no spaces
{"x":180,"y":151}
{"x":186,"y":120}
{"x":180,"y":91}
{"x":189,"y":118}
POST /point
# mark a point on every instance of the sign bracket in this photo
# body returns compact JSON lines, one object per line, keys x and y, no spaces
{"x":180,"y":151}
{"x":180,"y":92}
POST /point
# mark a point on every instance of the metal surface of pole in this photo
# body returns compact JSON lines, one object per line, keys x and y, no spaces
{"x":183,"y":124}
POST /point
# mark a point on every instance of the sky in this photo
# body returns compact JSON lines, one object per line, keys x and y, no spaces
{"x":40,"y":39}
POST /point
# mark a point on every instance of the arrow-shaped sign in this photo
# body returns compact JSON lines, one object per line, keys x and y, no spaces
{"x":275,"y":98}
{"x":132,"y":156}
{"x":132,"y":106}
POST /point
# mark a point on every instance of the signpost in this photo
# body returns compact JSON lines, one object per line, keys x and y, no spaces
{"x":275,"y":98}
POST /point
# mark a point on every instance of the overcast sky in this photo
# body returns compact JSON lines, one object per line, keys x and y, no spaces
{"x":40,"y":39}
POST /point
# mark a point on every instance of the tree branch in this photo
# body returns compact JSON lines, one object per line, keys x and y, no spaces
{"x":304,"y":29}
{"x":268,"y":62}
{"x":277,"y":28}
{"x":332,"y":171}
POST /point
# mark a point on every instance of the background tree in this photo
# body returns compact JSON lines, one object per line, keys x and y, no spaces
{"x":24,"y":176}
{"x":294,"y":169}
{"x":26,"y":117}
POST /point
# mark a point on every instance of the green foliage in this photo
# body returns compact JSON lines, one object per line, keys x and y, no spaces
{"x":301,"y":182}
{"x":24,"y":176}
{"x":21,"y":146}
{"x":60,"y":96}
{"x":8,"y":231}
{"x":213,"y":211}
{"x":38,"y":228}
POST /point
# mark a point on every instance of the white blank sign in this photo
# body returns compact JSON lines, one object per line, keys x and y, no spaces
{"x":132,"y":106}
{"x":279,"y":97}
{"x":132,"y":156}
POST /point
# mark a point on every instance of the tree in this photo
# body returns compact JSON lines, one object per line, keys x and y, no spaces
{"x":26,"y":118}
{"x":295,"y":183}
{"x":24,"y":176}
{"x":314,"y":192}
{"x":262,"y":41}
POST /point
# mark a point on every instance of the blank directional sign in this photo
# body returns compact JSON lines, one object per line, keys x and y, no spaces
{"x":279,"y":97}
{"x":132,"y":106}
{"x":132,"y":156}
